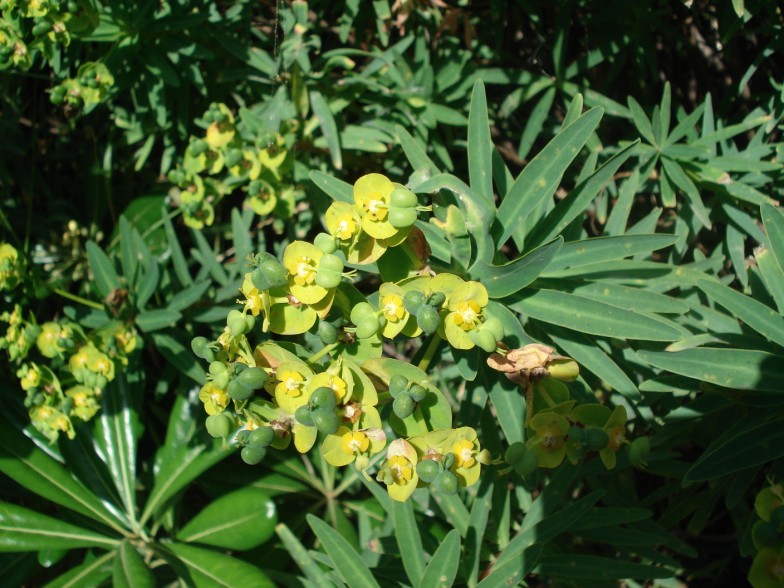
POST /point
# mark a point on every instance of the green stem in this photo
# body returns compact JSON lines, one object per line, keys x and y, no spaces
{"x":432,"y":346}
{"x":326,"y":350}
{"x":78,"y":299}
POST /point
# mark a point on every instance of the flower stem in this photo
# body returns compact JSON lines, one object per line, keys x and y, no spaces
{"x":326,"y":350}
{"x":432,"y":346}
{"x":78,"y":299}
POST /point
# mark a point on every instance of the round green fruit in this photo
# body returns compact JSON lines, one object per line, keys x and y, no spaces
{"x":325,"y":242}
{"x":427,"y":319}
{"x":323,"y":398}
{"x":237,"y":391}
{"x":403,"y":406}
{"x":198,"y":345}
{"x":596,"y":439}
{"x":528,"y":464}
{"x":483,"y":339}
{"x":397,"y":384}
{"x":303,"y":416}
{"x":261,"y":437}
{"x":367,"y":327}
{"x":417,"y":392}
{"x":515,"y":453}
{"x":236,"y":323}
{"x":412,"y":300}
{"x":765,"y":535}
{"x":402,"y":218}
{"x":325,"y":422}
{"x":361,"y":311}
{"x":446,"y":482}
{"x":327,"y":278}
{"x":427,"y":470}
{"x":253,"y":455}
{"x":436,"y":299}
{"x":403,"y":198}
{"x":219,"y":425}
{"x":253,"y":378}
{"x":327,"y":333}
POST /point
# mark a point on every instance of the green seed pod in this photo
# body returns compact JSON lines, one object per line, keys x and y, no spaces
{"x":42,"y":27}
{"x":73,"y":6}
{"x":323,"y":398}
{"x":198,"y":147}
{"x":402,"y":198}
{"x":515,"y":453}
{"x":328,"y":279}
{"x":528,"y":464}
{"x":236,"y":323}
{"x":250,"y":322}
{"x":427,"y":319}
{"x":217,"y":368}
{"x":765,"y":535}
{"x":495,"y":326}
{"x":219,"y":425}
{"x":331,"y":262}
{"x":639,"y":450}
{"x":417,"y":392}
{"x":237,"y":391}
{"x":232,"y":157}
{"x":243,"y":436}
{"x":596,"y":439}
{"x":221,"y":380}
{"x":403,"y":406}
{"x":449,"y":460}
{"x":576,"y":434}
{"x":325,"y":242}
{"x":303,"y":416}
{"x":361,"y":311}
{"x":253,"y":455}
{"x":269,"y":274}
{"x":327,"y":333}
{"x":436,"y":299}
{"x":209,"y":354}
{"x":261,"y":437}
{"x":483,"y":339}
{"x":397,"y":384}
{"x":54,"y":98}
{"x":446,"y":482}
{"x":325,"y":422}
{"x":253,"y":378}
{"x":777,"y":518}
{"x":565,"y":370}
{"x":402,"y":218}
{"x":412,"y":300}
{"x":427,"y":470}
{"x":367,"y":327}
{"x":198,"y":345}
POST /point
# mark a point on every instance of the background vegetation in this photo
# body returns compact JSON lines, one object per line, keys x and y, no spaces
{"x":130,"y":245}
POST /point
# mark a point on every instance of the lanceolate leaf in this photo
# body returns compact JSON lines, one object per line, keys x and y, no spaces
{"x":774,"y":226}
{"x":600,"y":249}
{"x":345,"y":559}
{"x":740,"y":369}
{"x":328,"y":127}
{"x":591,"y":567}
{"x":106,"y":278}
{"x":90,"y":574}
{"x":22,"y":461}
{"x":766,"y":321}
{"x":504,"y":280}
{"x":209,"y":569}
{"x":591,"y":316}
{"x":336,"y":189}
{"x":442,"y":569}
{"x":301,"y":556}
{"x":480,"y":146}
{"x":540,"y":177}
{"x":22,"y":529}
{"x":130,"y":571}
{"x":408,"y":540}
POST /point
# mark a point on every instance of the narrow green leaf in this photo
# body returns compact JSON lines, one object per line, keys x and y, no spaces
{"x":480,"y":514}
{"x":573,"y":111}
{"x":684,"y":126}
{"x":177,"y":256}
{"x":480,"y":145}
{"x":454,"y":510}
{"x":610,"y":516}
{"x":731,"y":131}
{"x":442,"y":569}
{"x":625,"y":297}
{"x":179,"y":356}
{"x":240,"y":232}
{"x":514,"y":570}
{"x":415,"y":153}
{"x":746,"y":193}
{"x":740,"y":369}
{"x":535,"y":123}
{"x":22,"y":529}
{"x":591,"y":316}
{"x":189,"y":296}
{"x":772,"y":274}
{"x":148,"y":284}
{"x":155,"y":320}
{"x":773,"y":220}
{"x":587,"y":354}
{"x":738,"y":7}
{"x":683,"y":182}
{"x":540,"y":177}
{"x":209,"y":569}
{"x":91,"y":574}
{"x":301,"y":556}
{"x":106,"y":279}
{"x":667,"y":190}
{"x":30,"y":467}
{"x":187,"y":452}
{"x":577,"y":200}
{"x":128,"y":257}
{"x":408,"y":541}
{"x":209,"y":259}
{"x":130,"y":571}
{"x":117,"y":430}
{"x":619,"y":217}
{"x":664,"y":113}
{"x":328,"y":126}
{"x":345,"y":559}
{"x":591,"y":567}
{"x":504,"y":280}
{"x":641,"y":120}
{"x":601,"y":249}
{"x":222,"y":524}
{"x":766,"y":321}
{"x":336,"y":189}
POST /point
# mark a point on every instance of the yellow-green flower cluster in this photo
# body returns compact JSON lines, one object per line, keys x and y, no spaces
{"x":225,"y":159}
{"x":20,"y":336}
{"x":90,"y":87}
{"x":11,"y":270}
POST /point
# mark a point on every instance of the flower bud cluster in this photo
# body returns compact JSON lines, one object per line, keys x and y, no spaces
{"x":235,"y":154}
